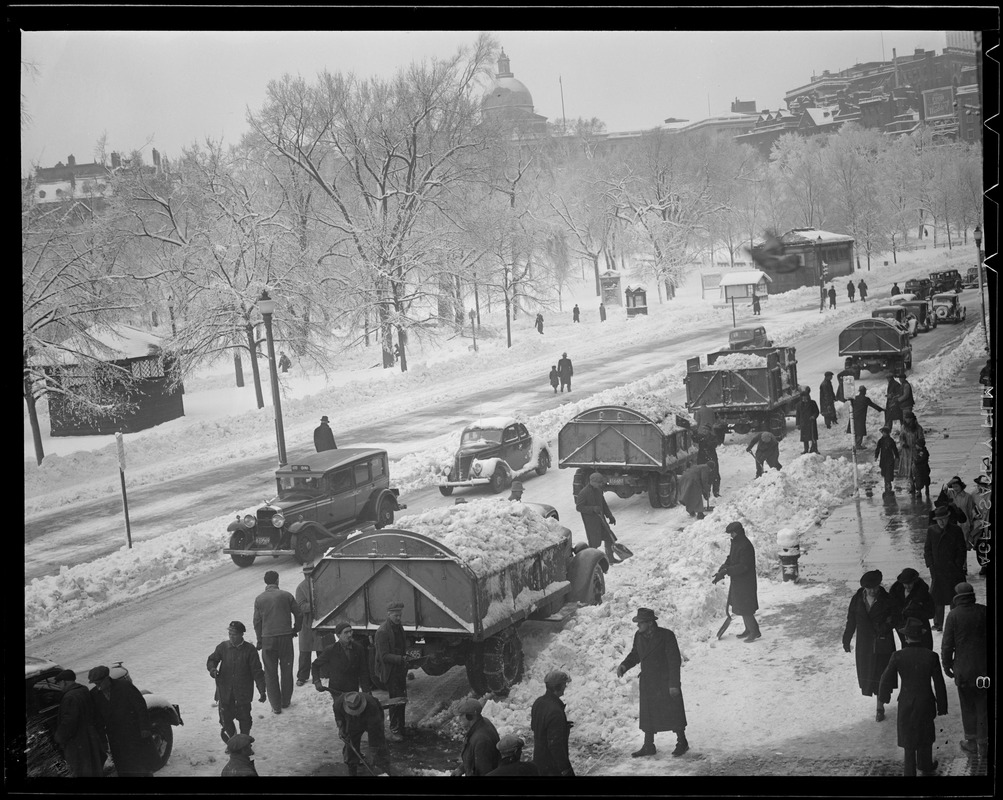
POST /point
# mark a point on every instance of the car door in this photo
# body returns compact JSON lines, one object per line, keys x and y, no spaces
{"x":341,"y":491}
{"x":363,"y":485}
{"x":510,"y":450}
{"x":523,"y":446}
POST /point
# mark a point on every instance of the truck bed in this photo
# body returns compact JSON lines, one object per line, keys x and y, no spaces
{"x":619,"y":437}
{"x":874,"y":336}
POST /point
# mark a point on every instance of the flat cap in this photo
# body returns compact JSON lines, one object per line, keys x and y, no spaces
{"x":237,"y":625}
{"x":97,"y":674}
{"x":468,"y":706}
{"x":871,"y":580}
{"x":66,"y":675}
{"x":238,"y":742}
{"x":509,"y":744}
{"x":341,"y":626}
{"x":395,"y":605}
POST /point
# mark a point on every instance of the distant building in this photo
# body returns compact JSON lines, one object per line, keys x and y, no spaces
{"x":961,"y":40}
{"x":813,"y":248}
{"x":73,"y":181}
{"x":509,"y":98}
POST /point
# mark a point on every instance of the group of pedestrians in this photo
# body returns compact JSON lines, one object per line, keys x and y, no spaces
{"x":561,"y":373}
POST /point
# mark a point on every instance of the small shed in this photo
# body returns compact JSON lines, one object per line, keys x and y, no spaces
{"x":138,"y":351}
{"x":609,"y":283}
{"x":743,"y":284}
{"x":637,"y":301}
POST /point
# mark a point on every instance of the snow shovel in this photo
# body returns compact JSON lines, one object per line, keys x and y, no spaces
{"x":726,"y":623}
{"x":621,"y":551}
{"x":348,"y":741}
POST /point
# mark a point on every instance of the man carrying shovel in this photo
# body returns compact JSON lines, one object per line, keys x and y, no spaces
{"x":357,"y":713}
{"x":740,"y":566}
{"x":597,"y":518}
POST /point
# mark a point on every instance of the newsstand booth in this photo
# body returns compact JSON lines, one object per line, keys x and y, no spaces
{"x":637,"y":301}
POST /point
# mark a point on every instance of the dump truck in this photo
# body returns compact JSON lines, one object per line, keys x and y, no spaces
{"x":468,"y":576}
{"x":634,"y":452}
{"x":874,"y":345}
{"x":755,"y":389}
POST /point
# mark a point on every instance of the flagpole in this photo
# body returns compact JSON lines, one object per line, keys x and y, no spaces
{"x":564,"y":119}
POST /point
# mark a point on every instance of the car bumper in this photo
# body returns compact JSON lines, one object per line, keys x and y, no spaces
{"x":468,"y":482}
{"x":262,"y":552}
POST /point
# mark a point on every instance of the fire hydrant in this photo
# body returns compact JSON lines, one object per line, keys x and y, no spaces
{"x":790,"y":552}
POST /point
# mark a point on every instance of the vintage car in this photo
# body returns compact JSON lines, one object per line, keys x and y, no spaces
{"x":42,"y":697}
{"x":972,"y":277}
{"x":920,"y":310}
{"x":493,"y":452}
{"x":321,"y":498}
{"x":744,"y":338}
{"x":947,"y":308}
{"x":948,"y":280}
{"x":921,"y":287}
{"x":897,"y":314}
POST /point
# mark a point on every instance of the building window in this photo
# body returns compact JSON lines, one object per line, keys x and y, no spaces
{"x":59,"y":192}
{"x":41,"y":193}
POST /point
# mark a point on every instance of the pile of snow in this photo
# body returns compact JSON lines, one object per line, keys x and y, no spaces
{"x":739,"y":361}
{"x":488,"y":535}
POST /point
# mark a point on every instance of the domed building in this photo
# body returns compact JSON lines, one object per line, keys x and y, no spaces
{"x":509,"y":98}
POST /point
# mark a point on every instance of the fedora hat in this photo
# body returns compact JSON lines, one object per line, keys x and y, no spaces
{"x":354,"y":703}
{"x":645,"y":615}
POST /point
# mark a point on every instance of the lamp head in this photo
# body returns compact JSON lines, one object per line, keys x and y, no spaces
{"x":265,"y":303}
{"x":977,"y":235}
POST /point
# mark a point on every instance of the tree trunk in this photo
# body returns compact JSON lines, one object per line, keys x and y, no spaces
{"x":595,"y":270}
{"x":508,"y":322}
{"x":253,"y":349}
{"x":402,"y":345}
{"x":238,"y":369}
{"x":36,"y":431}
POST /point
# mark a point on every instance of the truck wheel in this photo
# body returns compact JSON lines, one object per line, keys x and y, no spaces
{"x":908,"y":363}
{"x":499,"y":479}
{"x":162,"y":739}
{"x":445,"y":491}
{"x":474,"y":665}
{"x":668,"y":490}
{"x":241,"y":540}
{"x":307,"y":548}
{"x":742,"y":427}
{"x":653,"y":500}
{"x":543,"y":463}
{"x":580,"y":481}
{"x":778,"y":425}
{"x":384,"y":512}
{"x":503,"y":661}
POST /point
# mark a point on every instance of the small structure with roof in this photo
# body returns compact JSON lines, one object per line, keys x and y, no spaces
{"x":609,"y":282}
{"x":816,"y":249}
{"x":637,"y":301}
{"x":741,"y":285}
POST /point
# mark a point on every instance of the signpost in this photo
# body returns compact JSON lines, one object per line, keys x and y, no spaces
{"x":125,"y":499}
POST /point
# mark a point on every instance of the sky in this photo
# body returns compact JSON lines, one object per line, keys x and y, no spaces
{"x":167,"y":89}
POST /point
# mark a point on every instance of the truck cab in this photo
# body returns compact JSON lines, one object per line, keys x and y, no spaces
{"x":743,"y":338}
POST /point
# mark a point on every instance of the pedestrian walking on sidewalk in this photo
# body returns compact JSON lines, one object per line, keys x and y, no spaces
{"x":850,"y":290}
{"x":277,"y":621}
{"x":479,"y":755}
{"x":946,"y":557}
{"x":914,"y":600}
{"x":576,"y":314}
{"x":918,"y":704}
{"x":323,"y":436}
{"x":740,"y":566}
{"x":827,"y":400}
{"x":872,"y":616}
{"x":661,"y":703}
{"x":391,"y":665}
{"x":906,"y":400}
{"x":565,"y":371}
{"x":862,"y":290}
{"x":911,"y":436}
{"x":539,"y":323}
{"x":963,"y":649}
{"x":554,"y":378}
{"x":965,"y":503}
{"x":236,"y":668}
{"x":806,"y":418}
{"x":892,"y":410}
{"x":886,"y":454}
{"x":602,"y":312}
{"x":596,"y":516}
{"x":921,"y":470}
{"x":767,"y":451}
{"x":859,"y":406}
{"x":550,"y":726}
{"x":832,"y":296}
{"x":694,"y":489}
{"x":308,"y":643}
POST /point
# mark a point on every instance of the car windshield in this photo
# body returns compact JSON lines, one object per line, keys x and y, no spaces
{"x":298,"y":484}
{"x":736,"y":335}
{"x":489,"y":435}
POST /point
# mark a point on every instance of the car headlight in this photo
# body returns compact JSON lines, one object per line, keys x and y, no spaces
{"x":249,"y":521}
{"x":278,"y":520}
{"x":477,"y":468}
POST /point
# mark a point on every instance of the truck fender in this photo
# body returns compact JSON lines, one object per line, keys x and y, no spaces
{"x":580,"y":572}
{"x":157,"y":703}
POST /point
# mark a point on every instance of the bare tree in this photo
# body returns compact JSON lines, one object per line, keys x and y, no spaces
{"x":797,"y":163}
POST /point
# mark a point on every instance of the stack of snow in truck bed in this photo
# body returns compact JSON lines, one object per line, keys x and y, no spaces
{"x":655,"y":406}
{"x":738,"y":361}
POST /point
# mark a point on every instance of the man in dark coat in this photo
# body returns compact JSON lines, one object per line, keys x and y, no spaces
{"x":872,"y":616}
{"x":862,"y":289}
{"x":767,"y":451}
{"x":859,"y":406}
{"x":946,"y":556}
{"x":564,"y":371}
{"x":240,"y":765}
{"x":554,"y":378}
{"x":356,"y":713}
{"x":914,"y":600}
{"x":76,"y":729}
{"x":918,"y":705}
{"x":391,"y":665}
{"x":964,"y":652}
{"x":236,"y":668}
{"x":343,"y":663}
{"x":576,"y":314}
{"x":806,"y":418}
{"x":756,"y":306}
{"x":827,"y":400}
{"x":550,"y":727}
{"x":906,"y":400}
{"x":661,"y":707}
{"x":277,"y":621}
{"x":539,"y":323}
{"x":596,"y":516}
{"x":850,"y":289}
{"x":892,"y":409}
{"x":895,"y":289}
{"x":480,"y":742}
{"x":886,"y":453}
{"x":323,"y":436}
{"x":694,"y":489}
{"x":740,"y":566}
{"x":707,"y":444}
{"x":121,"y":714}
{"x":512,"y":765}
{"x":832,"y":296}
{"x":602,"y":312}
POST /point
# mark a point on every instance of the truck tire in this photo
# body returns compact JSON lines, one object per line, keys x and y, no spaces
{"x":653,"y":500}
{"x":162,"y":740}
{"x":778,"y":425}
{"x":580,"y":481}
{"x":307,"y":548}
{"x":597,"y":586}
{"x":474,"y":665}
{"x":503,"y":662}
{"x":384,"y":511}
{"x":445,"y":491}
{"x":543,"y":463}
{"x":582,"y":574}
{"x":668,"y":490}
{"x":241,"y":540}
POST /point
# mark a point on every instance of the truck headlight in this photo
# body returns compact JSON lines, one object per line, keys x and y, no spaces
{"x":477,"y":468}
{"x":249,"y":521}
{"x":278,"y":520}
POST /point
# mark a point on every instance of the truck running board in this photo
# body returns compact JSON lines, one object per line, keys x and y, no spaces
{"x":562,"y":614}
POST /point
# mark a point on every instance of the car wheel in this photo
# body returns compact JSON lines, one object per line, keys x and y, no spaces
{"x":445,"y":491}
{"x":307,"y":548}
{"x":498,"y":479}
{"x":384,"y":513}
{"x":162,"y":739}
{"x":241,"y":540}
{"x":543,"y":463}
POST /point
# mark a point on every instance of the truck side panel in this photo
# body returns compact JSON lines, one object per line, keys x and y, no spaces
{"x":872,"y":337}
{"x":614,"y":437}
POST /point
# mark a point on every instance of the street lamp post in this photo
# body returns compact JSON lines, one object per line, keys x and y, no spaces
{"x":821,"y":277}
{"x":267,"y":308}
{"x":977,"y":235}
{"x":473,"y":328}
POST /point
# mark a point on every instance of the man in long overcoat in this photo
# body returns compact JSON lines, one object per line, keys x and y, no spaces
{"x":918,"y":705}
{"x":391,"y":665}
{"x":872,"y":616}
{"x":964,"y":652}
{"x":121,"y":713}
{"x":277,"y":621}
{"x":565,"y":371}
{"x":806,"y":418}
{"x":694,"y":488}
{"x":550,"y":726}
{"x":859,"y":405}
{"x":832,"y":296}
{"x":892,"y":409}
{"x":236,"y":668}
{"x":862,"y":289}
{"x":740,"y":566}
{"x":827,"y":400}
{"x":479,"y":755}
{"x":850,"y":289}
{"x":596,"y":516}
{"x":946,"y":556}
{"x":307,"y":641}
{"x":906,"y":399}
{"x":323,"y":436}
{"x":76,"y":729}
{"x":912,"y":595}
{"x":661,"y":708}
{"x":886,"y":453}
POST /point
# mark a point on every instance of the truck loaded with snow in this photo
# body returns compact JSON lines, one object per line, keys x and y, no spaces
{"x":874,"y":345}
{"x":636,"y":450}
{"x":468,"y":575}
{"x":493,"y":452}
{"x":753,"y":389}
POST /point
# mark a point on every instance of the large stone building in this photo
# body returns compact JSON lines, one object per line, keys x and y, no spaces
{"x":508,"y":97}
{"x":73,"y":181}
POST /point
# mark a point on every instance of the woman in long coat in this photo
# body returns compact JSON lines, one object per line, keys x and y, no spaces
{"x":911,"y":435}
{"x":892,"y":409}
{"x":827,"y":400}
{"x":807,"y":421}
{"x":872,"y":616}
{"x":694,"y":488}
{"x":913,"y":597}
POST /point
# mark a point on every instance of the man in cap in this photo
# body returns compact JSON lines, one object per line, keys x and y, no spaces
{"x":596,"y":516}
{"x":511,"y":766}
{"x":391,"y":666}
{"x":323,"y":436}
{"x":343,"y":663}
{"x":964,"y":652}
{"x":661,"y":705}
{"x":565,"y":371}
{"x":236,"y":668}
{"x":918,"y":705}
{"x":872,"y":616}
{"x":886,"y":453}
{"x":76,"y":728}
{"x":516,"y":490}
{"x":480,"y":742}
{"x":277,"y":620}
{"x":767,"y":451}
{"x":357,"y":713}
{"x":859,"y":406}
{"x":122,"y":715}
{"x":240,"y":765}
{"x":912,"y":595}
{"x":551,"y":727}
{"x":807,"y":421}
{"x":827,"y":400}
{"x":740,"y":566}
{"x":946,"y":556}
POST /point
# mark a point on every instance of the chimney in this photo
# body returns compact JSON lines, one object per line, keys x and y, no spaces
{"x":71,"y":161}
{"x":116,"y":162}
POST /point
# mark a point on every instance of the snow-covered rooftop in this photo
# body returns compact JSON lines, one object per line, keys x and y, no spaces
{"x":107,"y":342}
{"x":745,"y":276}
{"x":491,"y":423}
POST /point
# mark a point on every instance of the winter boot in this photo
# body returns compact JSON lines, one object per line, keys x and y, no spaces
{"x":681,"y":744}
{"x":648,"y":748}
